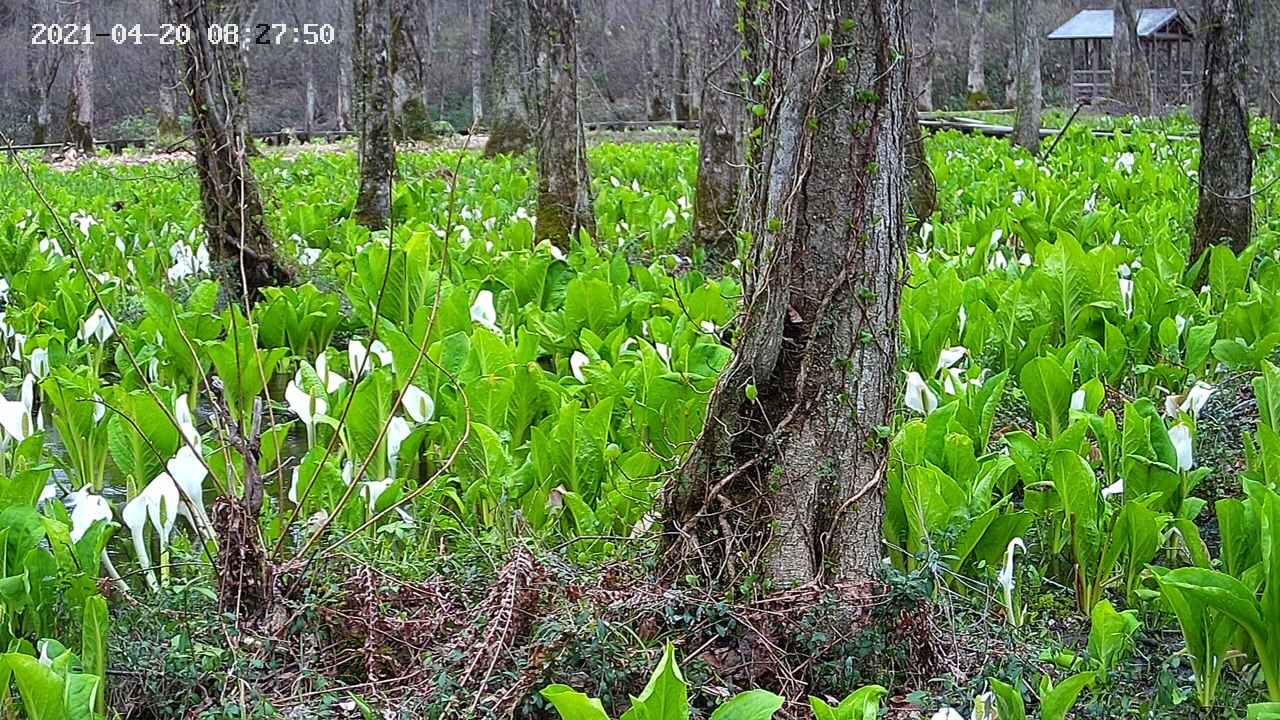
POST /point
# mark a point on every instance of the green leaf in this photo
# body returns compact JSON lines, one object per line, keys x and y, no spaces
{"x":93,"y":646}
{"x":573,"y":705}
{"x":1048,"y":389}
{"x":1009,"y":704}
{"x":40,"y":687}
{"x":666,"y":697}
{"x":1055,"y":703}
{"x":749,"y":705}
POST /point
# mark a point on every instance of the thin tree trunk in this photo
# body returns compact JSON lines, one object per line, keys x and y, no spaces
{"x":1130,"y":75}
{"x":929,"y":51}
{"x":1026,"y":126}
{"x":342,"y":99}
{"x":477,"y":63}
{"x":786,"y":483}
{"x":408,"y":73}
{"x":1226,"y":157}
{"x":678,"y":80}
{"x":42,"y":72}
{"x":510,"y":69}
{"x":564,"y":182}
{"x":977,"y":78}
{"x":373,"y":112}
{"x":720,"y":133}
{"x":655,"y":97}
{"x":80,"y":105}
{"x":168,"y":127}
{"x":923,"y":188}
{"x":233,"y":216}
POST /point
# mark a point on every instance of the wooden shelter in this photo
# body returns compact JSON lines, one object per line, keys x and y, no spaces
{"x":1164,"y":35}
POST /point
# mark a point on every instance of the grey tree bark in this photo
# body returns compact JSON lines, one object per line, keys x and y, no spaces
{"x":374,"y":93}
{"x":1225,"y":212}
{"x":1026,"y":125}
{"x":168,"y":127}
{"x":80,"y":104}
{"x":564,"y":181}
{"x":654,"y":77}
{"x":342,"y":93}
{"x":1270,"y":100}
{"x":786,"y":482}
{"x":926,"y":57}
{"x":233,"y":216}
{"x":679,"y":79}
{"x":923,"y":187}
{"x":510,"y":71}
{"x":410,"y":53}
{"x":720,"y":133}
{"x":976,"y":81}
{"x":42,"y":72}
{"x":1131,"y":74}
{"x":476,"y":62}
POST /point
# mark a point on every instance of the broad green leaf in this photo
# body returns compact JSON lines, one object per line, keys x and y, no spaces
{"x":749,"y":705}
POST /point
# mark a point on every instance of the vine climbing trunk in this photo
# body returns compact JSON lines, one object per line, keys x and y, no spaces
{"x":1225,"y":212}
{"x":510,"y":69}
{"x":564,"y":181}
{"x":720,"y":133}
{"x":233,"y":216}
{"x":374,"y":94}
{"x":786,"y":482}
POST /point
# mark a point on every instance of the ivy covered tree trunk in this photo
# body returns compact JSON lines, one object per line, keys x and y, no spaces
{"x":976,"y":82}
{"x":564,"y":181}
{"x":168,"y":128}
{"x":786,"y":483}
{"x":233,"y":217}
{"x":720,"y":133}
{"x":510,"y":70}
{"x":377,"y":150}
{"x":1026,"y":125}
{"x":80,"y":105}
{"x":1131,"y":75}
{"x":1225,"y":212}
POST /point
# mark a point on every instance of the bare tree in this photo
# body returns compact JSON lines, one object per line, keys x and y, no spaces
{"x":926,"y":57}
{"x":1225,"y":211}
{"x":564,"y":181}
{"x":679,"y":79}
{"x":80,"y":106}
{"x":373,"y":112}
{"x":42,"y":72}
{"x":655,"y":87}
{"x":233,"y":216}
{"x":1026,"y":55}
{"x":720,"y":133}
{"x":167,"y":125}
{"x":476,"y":63}
{"x":510,"y":65}
{"x":976,"y":83}
{"x":787,"y":480}
{"x":1131,"y":75}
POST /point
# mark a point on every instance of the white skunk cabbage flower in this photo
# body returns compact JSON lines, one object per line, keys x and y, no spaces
{"x":86,"y":509}
{"x":1078,"y":399}
{"x":188,"y":470}
{"x":919,"y":397}
{"x":98,"y":326}
{"x":397,"y":431}
{"x":307,"y":408}
{"x":308,"y":256}
{"x":1180,"y":436}
{"x":1126,"y":295}
{"x":1125,"y":162}
{"x":364,"y":359}
{"x":950,"y":356}
{"x":483,"y":311}
{"x":1115,"y":488}
{"x":418,"y":405}
{"x":578,"y":361}
{"x":663,"y":351}
{"x":373,"y":489}
{"x":16,"y":417}
{"x":39,"y":360}
{"x":186,"y":422}
{"x":984,"y":707}
{"x":156,"y":505}
{"x":1008,"y":581}
{"x":332,"y":380}
{"x":1197,"y":396}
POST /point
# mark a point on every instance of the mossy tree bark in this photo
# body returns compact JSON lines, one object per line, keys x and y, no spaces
{"x":564,"y":181}
{"x":1131,"y":74}
{"x":1026,"y":125}
{"x":374,"y":93}
{"x":786,"y":483}
{"x":80,"y":104}
{"x":510,"y":72}
{"x":410,"y":59}
{"x":720,"y":133}
{"x":1225,"y":212}
{"x":233,"y":216}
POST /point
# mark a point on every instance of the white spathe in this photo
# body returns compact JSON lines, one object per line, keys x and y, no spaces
{"x":947,"y":713}
{"x":1126,"y":295}
{"x":157,"y":505}
{"x":307,"y":408}
{"x":98,"y":326}
{"x":577,"y":361}
{"x":483,"y":310}
{"x":950,"y":356}
{"x":1008,"y":579}
{"x":418,"y":405}
{"x":397,"y":431}
{"x":39,"y":360}
{"x":87,"y":508}
{"x":1180,"y":436}
{"x":1197,"y":396}
{"x":188,"y":470}
{"x":1115,"y":488}
{"x":372,"y":490}
{"x":364,"y":359}
{"x":919,"y":397}
{"x":1078,"y":399}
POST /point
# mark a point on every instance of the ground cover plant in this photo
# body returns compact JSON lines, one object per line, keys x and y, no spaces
{"x":461,"y":437}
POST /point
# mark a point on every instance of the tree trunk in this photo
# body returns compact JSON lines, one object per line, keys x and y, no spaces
{"x":924,"y":190}
{"x":233,"y":218}
{"x":1131,"y":76}
{"x":679,"y":79}
{"x":510,"y":68}
{"x":408,"y":72}
{"x":1270,"y":101}
{"x":168,"y":128}
{"x":80,"y":105}
{"x":929,"y":50}
{"x":564,"y":182}
{"x":786,"y":483}
{"x":1026,"y":125}
{"x":977,"y":79}
{"x":655,"y":97}
{"x":240,"y":12}
{"x":373,"y":111}
{"x":42,"y":72}
{"x":1226,"y":157}
{"x":342,"y":96}
{"x":477,"y":64}
{"x":719,"y":134}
